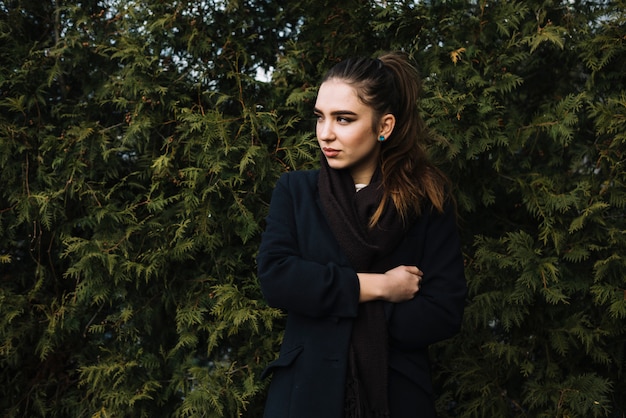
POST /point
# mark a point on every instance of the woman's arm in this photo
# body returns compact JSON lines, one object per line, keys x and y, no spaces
{"x":294,"y":237}
{"x":437,"y":311}
{"x":396,"y":285}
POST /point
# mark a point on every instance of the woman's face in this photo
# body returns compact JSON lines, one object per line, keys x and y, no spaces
{"x":344,"y":130}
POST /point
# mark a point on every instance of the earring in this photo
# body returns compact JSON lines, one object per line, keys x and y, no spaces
{"x":381,"y":138}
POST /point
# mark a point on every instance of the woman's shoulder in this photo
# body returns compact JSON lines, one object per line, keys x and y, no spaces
{"x":299,"y":179}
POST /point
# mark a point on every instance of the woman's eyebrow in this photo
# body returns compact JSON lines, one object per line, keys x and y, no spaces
{"x":336,"y":112}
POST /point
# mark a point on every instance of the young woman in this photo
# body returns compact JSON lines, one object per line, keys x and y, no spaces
{"x":363,"y":255}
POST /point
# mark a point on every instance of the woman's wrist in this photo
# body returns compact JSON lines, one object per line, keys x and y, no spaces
{"x":372,"y":287}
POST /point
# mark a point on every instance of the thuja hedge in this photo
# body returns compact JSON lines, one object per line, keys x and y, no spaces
{"x":139,"y":143}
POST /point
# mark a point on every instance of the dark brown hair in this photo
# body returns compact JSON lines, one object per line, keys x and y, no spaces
{"x":391,"y":84}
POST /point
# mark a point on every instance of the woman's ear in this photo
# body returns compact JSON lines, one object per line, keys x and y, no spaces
{"x":387,"y":123}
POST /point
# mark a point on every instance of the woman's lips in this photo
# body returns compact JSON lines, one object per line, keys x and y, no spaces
{"x":330,"y":152}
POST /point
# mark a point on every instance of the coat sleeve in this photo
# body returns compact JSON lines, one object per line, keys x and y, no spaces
{"x":436,"y":312}
{"x":296,"y":271}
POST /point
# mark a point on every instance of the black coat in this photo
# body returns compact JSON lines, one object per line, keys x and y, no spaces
{"x":303,"y":271}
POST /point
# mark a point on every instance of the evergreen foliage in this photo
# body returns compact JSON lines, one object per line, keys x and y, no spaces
{"x":139,"y":147}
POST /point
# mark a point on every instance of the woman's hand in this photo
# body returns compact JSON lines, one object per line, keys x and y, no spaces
{"x":396,"y":285}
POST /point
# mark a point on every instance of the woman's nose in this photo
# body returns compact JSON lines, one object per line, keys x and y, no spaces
{"x":324,"y":131}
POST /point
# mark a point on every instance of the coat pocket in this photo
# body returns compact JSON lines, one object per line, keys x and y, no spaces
{"x":283,"y":360}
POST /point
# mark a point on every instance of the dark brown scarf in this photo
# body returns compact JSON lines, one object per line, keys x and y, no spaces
{"x":348,"y":213}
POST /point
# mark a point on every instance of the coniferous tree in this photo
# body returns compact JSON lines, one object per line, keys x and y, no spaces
{"x":135,"y":173}
{"x":138,"y":148}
